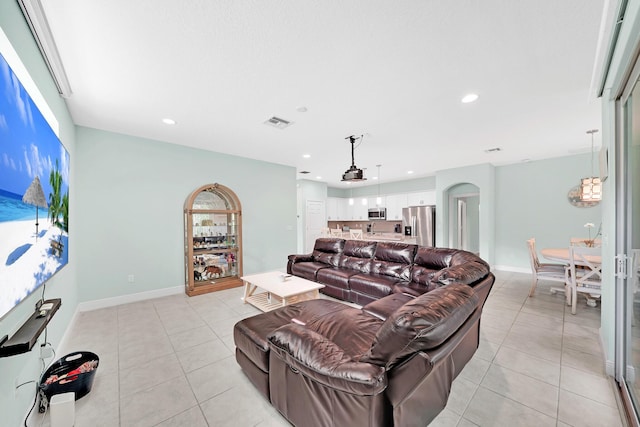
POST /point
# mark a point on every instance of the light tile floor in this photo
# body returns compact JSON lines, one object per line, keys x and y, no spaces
{"x":170,"y":362}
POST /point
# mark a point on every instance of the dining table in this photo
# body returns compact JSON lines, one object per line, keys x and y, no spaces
{"x":561,"y":255}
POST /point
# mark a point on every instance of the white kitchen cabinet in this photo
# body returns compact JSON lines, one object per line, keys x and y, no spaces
{"x":360,"y":211}
{"x":394,"y":205}
{"x":332,"y":208}
{"x":372,"y":202}
{"x":343,"y":213}
{"x":421,"y":198}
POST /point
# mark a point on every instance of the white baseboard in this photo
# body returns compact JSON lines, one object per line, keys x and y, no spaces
{"x":511,"y":269}
{"x":126,"y":299}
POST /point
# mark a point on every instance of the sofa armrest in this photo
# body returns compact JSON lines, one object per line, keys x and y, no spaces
{"x":301,"y":258}
{"x":298,"y":258}
{"x":320,"y":359}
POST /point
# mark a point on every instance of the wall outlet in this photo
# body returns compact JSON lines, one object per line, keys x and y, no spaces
{"x":131,"y":278}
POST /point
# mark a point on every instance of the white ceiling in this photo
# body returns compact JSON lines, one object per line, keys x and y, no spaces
{"x":394,"y":71}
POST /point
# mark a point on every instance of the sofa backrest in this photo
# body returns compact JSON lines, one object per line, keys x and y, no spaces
{"x":429,"y":261}
{"x":393,"y":259}
{"x":357,"y":255}
{"x":422,"y":323}
{"x":434,"y":267}
{"x":327,"y":250}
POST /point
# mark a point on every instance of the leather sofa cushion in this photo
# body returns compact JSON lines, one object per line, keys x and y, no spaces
{"x":393,"y":259}
{"x":376,"y":285}
{"x":357,"y":255}
{"x":307,"y":270}
{"x":434,"y":258}
{"x":250,"y":334}
{"x":422,"y":323}
{"x":466,"y":273}
{"x":422,"y":275}
{"x":337,"y":277}
{"x":351,"y":329}
{"x":395,"y":252}
{"x":383,"y":307}
{"x":325,"y":362}
{"x":360,"y":248}
{"x":413,"y":288}
{"x":327,"y":251}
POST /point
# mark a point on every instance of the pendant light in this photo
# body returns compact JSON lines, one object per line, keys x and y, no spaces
{"x":591,"y":187}
{"x":353,"y":173}
{"x":378,"y":199}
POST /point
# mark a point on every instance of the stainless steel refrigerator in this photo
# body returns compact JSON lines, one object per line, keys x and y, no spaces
{"x":420,"y":222}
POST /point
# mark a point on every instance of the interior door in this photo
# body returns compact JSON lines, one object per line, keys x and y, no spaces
{"x":462,"y":224}
{"x":315,"y":220}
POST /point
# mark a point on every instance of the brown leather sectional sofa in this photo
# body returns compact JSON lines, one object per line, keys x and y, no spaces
{"x":362,"y":271}
{"x":389,"y":363}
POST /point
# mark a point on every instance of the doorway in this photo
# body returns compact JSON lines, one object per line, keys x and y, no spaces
{"x":464,"y":217}
{"x":315,"y":221}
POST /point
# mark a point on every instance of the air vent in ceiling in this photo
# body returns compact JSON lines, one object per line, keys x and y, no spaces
{"x":493,"y":150}
{"x":277,"y":122}
{"x":304,"y":172}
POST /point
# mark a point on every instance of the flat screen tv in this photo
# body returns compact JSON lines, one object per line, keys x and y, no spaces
{"x":34,"y":195}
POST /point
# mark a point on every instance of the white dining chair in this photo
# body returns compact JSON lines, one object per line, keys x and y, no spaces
{"x":546,"y":271}
{"x":585,"y":275}
{"x":336,"y":232}
{"x":324,"y":232}
{"x":355,"y":234}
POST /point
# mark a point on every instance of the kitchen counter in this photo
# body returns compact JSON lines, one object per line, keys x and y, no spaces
{"x":395,"y":237}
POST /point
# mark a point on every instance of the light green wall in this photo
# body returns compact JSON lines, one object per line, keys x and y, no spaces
{"x":132,"y":195}
{"x":14,"y":404}
{"x":531,"y":201}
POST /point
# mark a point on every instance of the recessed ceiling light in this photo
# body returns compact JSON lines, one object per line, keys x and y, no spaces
{"x":168,"y":121}
{"x":318,"y":177}
{"x":469,"y":98}
{"x":409,"y":172}
{"x":306,"y":156}
{"x":374,"y":178}
{"x":301,"y":109}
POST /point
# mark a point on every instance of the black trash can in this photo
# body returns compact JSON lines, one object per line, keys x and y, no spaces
{"x":72,"y":373}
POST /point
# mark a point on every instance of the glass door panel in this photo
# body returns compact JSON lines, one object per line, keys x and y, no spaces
{"x":629,"y":222}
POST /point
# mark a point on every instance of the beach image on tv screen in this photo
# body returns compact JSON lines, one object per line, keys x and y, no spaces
{"x":34,"y":195}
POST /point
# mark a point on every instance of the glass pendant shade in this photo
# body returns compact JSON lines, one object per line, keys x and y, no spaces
{"x":590,"y":189}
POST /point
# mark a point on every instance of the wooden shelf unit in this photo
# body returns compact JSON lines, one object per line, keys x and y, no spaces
{"x":212,"y":239}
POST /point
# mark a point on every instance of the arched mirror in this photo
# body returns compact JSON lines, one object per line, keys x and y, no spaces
{"x":213,"y":240}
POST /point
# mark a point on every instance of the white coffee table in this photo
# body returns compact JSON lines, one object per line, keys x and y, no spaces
{"x":278,"y":293}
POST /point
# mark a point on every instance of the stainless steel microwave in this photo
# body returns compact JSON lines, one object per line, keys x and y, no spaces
{"x":378,"y":213}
